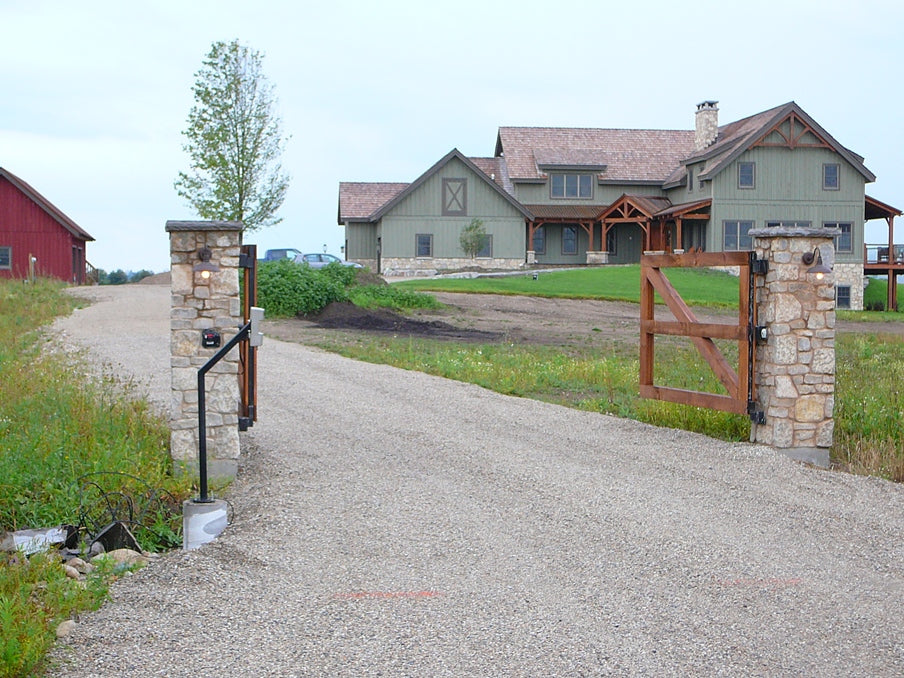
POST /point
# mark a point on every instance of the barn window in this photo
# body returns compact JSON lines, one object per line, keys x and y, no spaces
{"x":6,"y":257}
{"x":455,"y":197}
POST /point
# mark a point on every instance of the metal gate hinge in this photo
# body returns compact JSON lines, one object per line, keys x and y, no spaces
{"x":245,"y":261}
{"x":759,"y":266}
{"x":757,"y":416}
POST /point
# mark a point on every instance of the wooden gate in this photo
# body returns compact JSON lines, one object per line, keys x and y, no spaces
{"x":248,"y":353}
{"x":739,"y":383}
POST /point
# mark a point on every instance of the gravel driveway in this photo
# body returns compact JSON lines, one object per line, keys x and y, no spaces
{"x":394,"y":523}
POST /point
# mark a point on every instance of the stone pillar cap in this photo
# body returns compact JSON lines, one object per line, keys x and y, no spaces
{"x":172,"y":226}
{"x":793,"y":232}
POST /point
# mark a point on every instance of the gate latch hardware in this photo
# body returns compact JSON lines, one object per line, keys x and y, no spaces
{"x":761,"y":334}
{"x":760,"y":266}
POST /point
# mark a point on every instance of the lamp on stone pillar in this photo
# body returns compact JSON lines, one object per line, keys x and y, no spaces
{"x":204,"y":266}
{"x":820,"y":270}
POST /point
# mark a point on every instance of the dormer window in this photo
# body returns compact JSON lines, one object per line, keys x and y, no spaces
{"x":567,"y":185}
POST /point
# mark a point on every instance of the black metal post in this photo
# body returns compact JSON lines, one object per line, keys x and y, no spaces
{"x":242,"y":335}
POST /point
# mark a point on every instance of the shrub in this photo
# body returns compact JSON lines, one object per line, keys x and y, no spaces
{"x":286,"y":288}
{"x":390,"y":296}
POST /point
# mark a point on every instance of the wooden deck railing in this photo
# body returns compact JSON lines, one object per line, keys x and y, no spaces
{"x":878,"y":254}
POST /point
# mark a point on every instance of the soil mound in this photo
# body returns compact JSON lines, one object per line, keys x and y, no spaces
{"x":346,"y":316}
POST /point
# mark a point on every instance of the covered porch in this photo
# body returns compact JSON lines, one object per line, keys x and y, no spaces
{"x":886,"y":258}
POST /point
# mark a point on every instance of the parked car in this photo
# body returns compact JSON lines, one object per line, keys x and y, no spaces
{"x":281,"y":253}
{"x":316,"y":260}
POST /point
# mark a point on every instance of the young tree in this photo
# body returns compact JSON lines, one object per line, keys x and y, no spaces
{"x":472,"y":237}
{"x":234,"y":140}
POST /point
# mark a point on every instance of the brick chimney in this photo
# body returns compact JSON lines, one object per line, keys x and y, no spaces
{"x":707,"y":119}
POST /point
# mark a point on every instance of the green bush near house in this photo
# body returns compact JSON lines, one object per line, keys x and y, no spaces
{"x":286,"y":289}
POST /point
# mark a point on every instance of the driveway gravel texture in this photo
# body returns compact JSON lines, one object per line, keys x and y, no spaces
{"x":391,"y":523}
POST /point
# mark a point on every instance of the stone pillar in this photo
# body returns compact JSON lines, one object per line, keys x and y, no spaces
{"x":795,"y":368}
{"x":200,"y":303}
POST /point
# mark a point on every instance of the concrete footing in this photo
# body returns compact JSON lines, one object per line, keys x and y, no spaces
{"x":202,"y":522}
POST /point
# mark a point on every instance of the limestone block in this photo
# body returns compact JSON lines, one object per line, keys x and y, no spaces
{"x":782,"y":433}
{"x":785,"y":388}
{"x":810,"y":408}
{"x":183,"y":445}
{"x":182,"y":280}
{"x":825,"y":433}
{"x":787,"y":308}
{"x":785,"y":350}
{"x":823,"y":361}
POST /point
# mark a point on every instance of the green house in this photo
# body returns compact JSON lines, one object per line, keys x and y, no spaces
{"x":586,"y":196}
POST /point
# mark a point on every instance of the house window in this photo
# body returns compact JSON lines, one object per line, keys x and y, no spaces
{"x":788,"y":224}
{"x":843,"y":241}
{"x":6,"y":257}
{"x":690,"y":180}
{"x":746,"y":175}
{"x":843,"y":296}
{"x":424,"y":244}
{"x":831,"y":177}
{"x":736,"y":236}
{"x":570,"y":240}
{"x":571,"y":185}
{"x":539,"y":244}
{"x":455,"y":197}
{"x":486,"y":247}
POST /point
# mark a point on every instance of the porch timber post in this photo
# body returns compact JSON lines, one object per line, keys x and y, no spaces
{"x":678,"y":236}
{"x":892,"y":302}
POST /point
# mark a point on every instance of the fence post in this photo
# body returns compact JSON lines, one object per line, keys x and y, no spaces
{"x":205,"y":296}
{"x":795,"y":367}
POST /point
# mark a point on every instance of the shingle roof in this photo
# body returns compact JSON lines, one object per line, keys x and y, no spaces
{"x":47,"y":206}
{"x":736,"y":137}
{"x":358,"y":200}
{"x":629,"y":155}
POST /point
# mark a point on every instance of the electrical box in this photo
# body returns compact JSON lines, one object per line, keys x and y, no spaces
{"x":255,"y":336}
{"x":210,"y":338}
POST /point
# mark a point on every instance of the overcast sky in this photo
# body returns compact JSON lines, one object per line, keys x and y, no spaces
{"x":94,"y":95}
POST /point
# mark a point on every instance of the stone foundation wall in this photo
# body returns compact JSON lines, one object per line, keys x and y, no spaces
{"x":200,"y":303}
{"x":428,"y":267}
{"x":851,"y":275}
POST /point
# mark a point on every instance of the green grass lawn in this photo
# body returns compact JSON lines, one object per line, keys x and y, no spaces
{"x":698,"y":287}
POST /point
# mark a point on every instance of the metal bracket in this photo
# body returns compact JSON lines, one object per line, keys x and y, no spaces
{"x":246,"y":261}
{"x":759,"y":266}
{"x":757,"y":416}
{"x":761,"y":334}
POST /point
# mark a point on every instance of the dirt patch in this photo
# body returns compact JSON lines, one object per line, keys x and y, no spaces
{"x":346,"y":316}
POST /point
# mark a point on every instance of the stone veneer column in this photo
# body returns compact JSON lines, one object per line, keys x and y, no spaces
{"x":795,"y":368}
{"x":200,"y":303}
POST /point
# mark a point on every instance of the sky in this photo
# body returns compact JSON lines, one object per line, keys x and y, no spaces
{"x":94,"y":96}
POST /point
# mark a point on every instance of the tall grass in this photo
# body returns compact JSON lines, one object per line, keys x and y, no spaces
{"x":869,"y":430}
{"x":869,"y":401}
{"x":56,"y":426}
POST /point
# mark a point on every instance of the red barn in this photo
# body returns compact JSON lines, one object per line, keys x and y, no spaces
{"x":36,"y":237}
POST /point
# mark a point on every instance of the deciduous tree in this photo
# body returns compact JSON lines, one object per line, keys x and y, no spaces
{"x":234,"y":140}
{"x":472,"y":237}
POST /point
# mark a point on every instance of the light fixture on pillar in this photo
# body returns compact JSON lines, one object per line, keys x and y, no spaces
{"x":204,"y":267}
{"x":820,"y":270}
